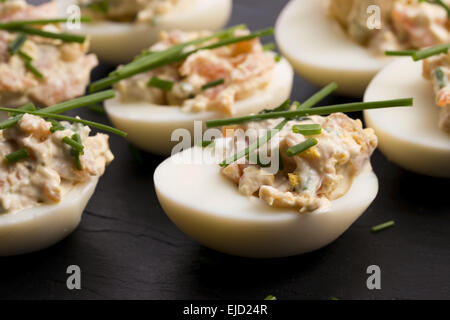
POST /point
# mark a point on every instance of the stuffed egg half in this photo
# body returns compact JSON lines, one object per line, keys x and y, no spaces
{"x":44,"y":71}
{"x":44,"y":186}
{"x":244,"y":210}
{"x":243,"y":79}
{"x":416,"y":138}
{"x":345,"y":40}
{"x":126,"y":27}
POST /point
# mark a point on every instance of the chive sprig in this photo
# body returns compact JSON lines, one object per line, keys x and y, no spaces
{"x":152,"y":60}
{"x":301,"y":110}
{"x":25,"y":26}
{"x":301,"y":147}
{"x":418,"y":55}
{"x":346,"y":107}
{"x":309,"y":103}
{"x":17,"y":155}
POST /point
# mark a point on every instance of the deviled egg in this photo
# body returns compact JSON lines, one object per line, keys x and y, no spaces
{"x":48,"y":172}
{"x":272,"y":198}
{"x":195,"y":76}
{"x":419,"y":139}
{"x":345,"y":39}
{"x":38,"y":62}
{"x":123,"y":28}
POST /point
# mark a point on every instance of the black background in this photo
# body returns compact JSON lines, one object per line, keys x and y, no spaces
{"x":127,"y":248}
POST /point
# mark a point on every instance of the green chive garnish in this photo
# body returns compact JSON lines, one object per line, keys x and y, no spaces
{"x":162,"y":84}
{"x":346,"y":107}
{"x":24,"y":56}
{"x":76,"y":154}
{"x":56,"y":126}
{"x":74,"y":144}
{"x":301,"y":147}
{"x":213,"y":84}
{"x":17,"y":44}
{"x":400,"y":53}
{"x":284,"y":106}
{"x":441,"y":77}
{"x":11,"y":122}
{"x":307,"y":129}
{"x":319,"y":96}
{"x":62,"y":107}
{"x":29,"y":106}
{"x":206,"y":144}
{"x":66,"y":37}
{"x":174,"y":54}
{"x":33,"y":70}
{"x":255,"y":145}
{"x":42,"y":114}
{"x":20,"y":23}
{"x":84,"y":101}
{"x":383,"y":226}
{"x":52,"y":112}
{"x":270,"y":297}
{"x":429,"y":52}
{"x":17,"y":155}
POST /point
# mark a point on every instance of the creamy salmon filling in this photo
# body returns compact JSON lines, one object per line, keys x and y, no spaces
{"x":50,"y":171}
{"x":405,"y":24}
{"x":65,"y":67}
{"x":242,"y":68}
{"x":310,"y":180}
{"x":437,"y":70}
{"x":128,"y":10}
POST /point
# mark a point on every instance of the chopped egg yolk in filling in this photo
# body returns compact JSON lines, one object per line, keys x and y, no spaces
{"x":405,"y":24}
{"x":311,"y":179}
{"x":50,"y":167}
{"x":208,"y":80}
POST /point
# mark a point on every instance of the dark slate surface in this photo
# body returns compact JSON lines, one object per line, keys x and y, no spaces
{"x":128,"y":249}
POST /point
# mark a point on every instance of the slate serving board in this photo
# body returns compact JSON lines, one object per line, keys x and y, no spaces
{"x":127,"y":248}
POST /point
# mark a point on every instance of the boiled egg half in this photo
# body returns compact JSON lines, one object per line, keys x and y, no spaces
{"x":320,"y":50}
{"x":120,"y":42}
{"x":150,"y":126}
{"x":216,"y":215}
{"x":39,"y":227}
{"x":409,"y":137}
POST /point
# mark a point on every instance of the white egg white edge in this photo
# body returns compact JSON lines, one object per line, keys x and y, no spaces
{"x":217,"y":216}
{"x":150,"y":126}
{"x":117,"y":43}
{"x":409,"y":137}
{"x":39,"y":227}
{"x":321,"y":52}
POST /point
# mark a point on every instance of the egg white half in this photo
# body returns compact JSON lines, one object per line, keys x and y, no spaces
{"x":216,"y":215}
{"x":321,"y":52}
{"x":409,"y":137}
{"x":39,"y":227}
{"x":150,"y":126}
{"x":118,"y":43}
